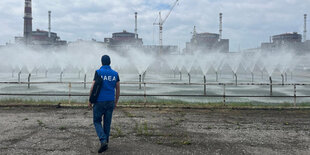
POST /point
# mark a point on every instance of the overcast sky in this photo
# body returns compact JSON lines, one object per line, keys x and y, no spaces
{"x":245,"y":22}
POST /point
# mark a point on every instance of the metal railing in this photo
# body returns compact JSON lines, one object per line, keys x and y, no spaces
{"x":145,"y":94}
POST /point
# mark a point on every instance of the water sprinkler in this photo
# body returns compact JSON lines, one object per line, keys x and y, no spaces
{"x":262,"y":75}
{"x":204,"y":86}
{"x":270,"y":79}
{"x":189,"y":78}
{"x":85,"y":81}
{"x":46,"y":73}
{"x":143,"y":76}
{"x":291,"y":75}
{"x":13,"y":73}
{"x":29,"y":76}
{"x":252,"y":77}
{"x":140,"y":81}
{"x":173,"y":73}
{"x":61,"y":74}
{"x":233,"y":75}
{"x":79,"y":73}
{"x":216,"y":76}
{"x":236,"y":79}
{"x":180,"y":75}
{"x":282,"y":79}
{"x":285,"y":77}
{"x":20,"y":72}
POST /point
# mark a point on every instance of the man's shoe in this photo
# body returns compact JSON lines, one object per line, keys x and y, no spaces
{"x":103,"y":147}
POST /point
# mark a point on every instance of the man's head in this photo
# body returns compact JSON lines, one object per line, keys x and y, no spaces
{"x":105,"y":60}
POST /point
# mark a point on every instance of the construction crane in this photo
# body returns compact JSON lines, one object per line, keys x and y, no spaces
{"x":162,"y":21}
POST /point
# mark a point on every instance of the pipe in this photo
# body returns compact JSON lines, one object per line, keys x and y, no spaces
{"x":143,"y":76}
{"x":233,"y":74}
{"x":282,"y":76}
{"x":20,"y":72}
{"x":270,"y":79}
{"x":61,"y":73}
{"x":204,"y":86}
{"x":49,"y":24}
{"x":85,"y":81}
{"x":291,"y":75}
{"x":305,"y":28}
{"x":216,"y":76}
{"x":189,"y":78}
{"x":252,"y":76}
{"x":136,"y":25}
{"x":180,"y":75}
{"x":29,"y":76}
{"x":140,"y":78}
{"x":236,"y":79}
{"x":173,"y":73}
{"x":221,"y":26}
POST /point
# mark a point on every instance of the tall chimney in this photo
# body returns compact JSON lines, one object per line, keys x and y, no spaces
{"x":49,"y":24}
{"x":136,"y":25}
{"x":305,"y":27}
{"x":221,"y":25}
{"x":27,"y":22}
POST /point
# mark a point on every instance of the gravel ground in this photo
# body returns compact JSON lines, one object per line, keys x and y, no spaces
{"x":51,"y":130}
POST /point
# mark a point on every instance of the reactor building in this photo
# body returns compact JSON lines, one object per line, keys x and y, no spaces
{"x":289,"y":41}
{"x":207,"y":42}
{"x":122,"y":42}
{"x":38,"y":37}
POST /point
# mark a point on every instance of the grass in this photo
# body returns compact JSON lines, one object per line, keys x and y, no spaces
{"x":143,"y":129}
{"x":40,"y":123}
{"x":62,"y":128}
{"x":118,"y":132}
{"x":153,"y":103}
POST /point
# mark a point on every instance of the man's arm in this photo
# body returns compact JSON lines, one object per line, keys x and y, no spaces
{"x":91,"y":89}
{"x":117,"y":92}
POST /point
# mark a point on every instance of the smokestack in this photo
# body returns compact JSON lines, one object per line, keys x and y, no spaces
{"x":49,"y":24}
{"x":136,"y":25}
{"x":305,"y":27}
{"x":221,"y":24}
{"x":28,"y":22}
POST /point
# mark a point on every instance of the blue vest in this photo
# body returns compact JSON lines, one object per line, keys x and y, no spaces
{"x":109,"y":77}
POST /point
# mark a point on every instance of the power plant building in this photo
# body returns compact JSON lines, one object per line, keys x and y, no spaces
{"x":38,"y":37}
{"x":287,"y":41}
{"x":207,"y":42}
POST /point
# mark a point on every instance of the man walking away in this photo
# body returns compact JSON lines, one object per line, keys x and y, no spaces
{"x":106,"y":102}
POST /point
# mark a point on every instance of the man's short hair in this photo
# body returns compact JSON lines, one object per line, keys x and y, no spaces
{"x":105,"y":60}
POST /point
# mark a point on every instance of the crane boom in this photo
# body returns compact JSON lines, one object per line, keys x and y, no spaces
{"x":175,"y":3}
{"x":161,"y":22}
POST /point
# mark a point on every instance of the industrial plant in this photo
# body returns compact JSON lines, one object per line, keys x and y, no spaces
{"x":289,"y":41}
{"x":121,"y":42}
{"x":38,"y":38}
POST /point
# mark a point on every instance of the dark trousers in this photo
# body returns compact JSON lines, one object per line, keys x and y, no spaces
{"x":104,"y":109}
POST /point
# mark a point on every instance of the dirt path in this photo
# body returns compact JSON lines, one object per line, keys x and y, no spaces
{"x":39,"y":130}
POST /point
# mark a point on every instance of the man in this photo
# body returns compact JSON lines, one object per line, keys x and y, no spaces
{"x":106,"y":102}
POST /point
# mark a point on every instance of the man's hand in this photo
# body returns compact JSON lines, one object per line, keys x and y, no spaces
{"x":90,"y":105}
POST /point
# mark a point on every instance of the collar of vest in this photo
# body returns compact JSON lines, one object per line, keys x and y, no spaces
{"x":105,"y":67}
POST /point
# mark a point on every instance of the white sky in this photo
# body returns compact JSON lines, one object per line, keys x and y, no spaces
{"x":245,"y":22}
